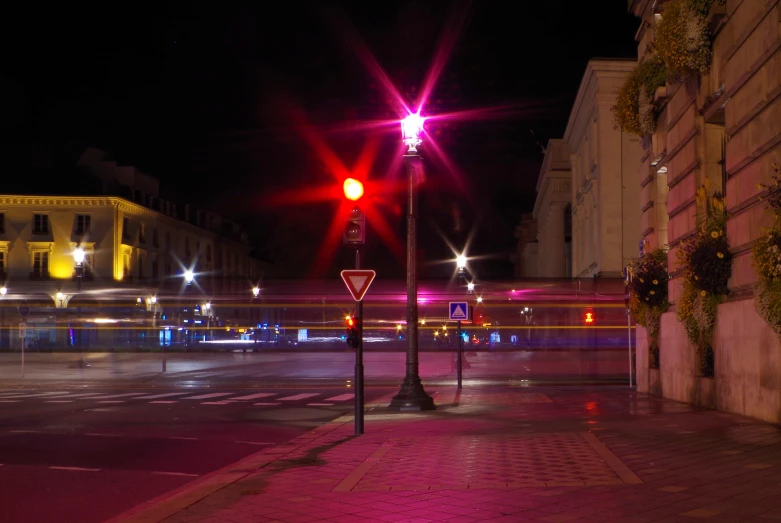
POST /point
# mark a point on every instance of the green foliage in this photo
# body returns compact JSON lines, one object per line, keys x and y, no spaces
{"x":648,"y":296}
{"x":766,"y":258}
{"x":707,"y":267}
{"x":634,"y":111}
{"x":682,"y":37}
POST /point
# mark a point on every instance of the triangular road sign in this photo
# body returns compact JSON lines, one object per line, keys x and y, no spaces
{"x":358,"y":281}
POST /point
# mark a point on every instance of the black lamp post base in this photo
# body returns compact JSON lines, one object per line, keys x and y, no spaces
{"x":412,"y":397}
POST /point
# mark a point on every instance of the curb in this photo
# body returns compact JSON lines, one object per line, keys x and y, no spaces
{"x":166,"y":505}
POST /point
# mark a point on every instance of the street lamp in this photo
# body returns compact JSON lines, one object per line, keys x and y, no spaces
{"x":255,"y":291}
{"x":461,"y":263}
{"x":189,"y":276}
{"x":78,"y":258}
{"x":412,"y":396}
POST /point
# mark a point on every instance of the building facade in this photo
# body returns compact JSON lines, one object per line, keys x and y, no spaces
{"x":719,"y":130}
{"x":551,"y":212}
{"x":106,"y":272}
{"x":587,"y":208}
{"x":605,"y":200}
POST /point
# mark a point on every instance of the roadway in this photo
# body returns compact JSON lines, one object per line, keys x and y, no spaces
{"x":85,"y":454}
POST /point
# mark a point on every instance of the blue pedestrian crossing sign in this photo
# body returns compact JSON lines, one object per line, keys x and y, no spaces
{"x":459,"y":311}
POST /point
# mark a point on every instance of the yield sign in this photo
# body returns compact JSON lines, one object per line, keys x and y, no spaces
{"x":358,"y":281}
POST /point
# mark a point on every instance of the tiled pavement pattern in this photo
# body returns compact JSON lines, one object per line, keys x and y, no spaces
{"x":567,"y":454}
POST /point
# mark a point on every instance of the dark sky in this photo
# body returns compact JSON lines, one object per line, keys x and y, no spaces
{"x":202,"y":96}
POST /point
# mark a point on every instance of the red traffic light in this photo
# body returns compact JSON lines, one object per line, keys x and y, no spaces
{"x":353,"y":189}
{"x":589,"y":317}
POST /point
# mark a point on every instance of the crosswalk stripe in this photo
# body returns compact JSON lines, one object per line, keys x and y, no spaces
{"x":299,"y":396}
{"x":207,"y":396}
{"x":38,"y":394}
{"x":155,"y":396}
{"x":267,"y":404}
{"x":319,"y":404}
{"x":341,"y":397}
{"x":253,"y":396}
{"x":109,"y":396}
{"x":86,"y":395}
{"x":164,"y":401}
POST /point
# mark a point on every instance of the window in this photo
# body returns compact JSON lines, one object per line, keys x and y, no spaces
{"x":155,"y":238}
{"x":83,"y":222}
{"x":40,"y":268}
{"x":142,"y":233}
{"x":155,"y":274}
{"x":168,"y":241}
{"x":2,"y":223}
{"x":2,"y":262}
{"x":168,"y":269}
{"x":141,"y":261}
{"x":208,"y":253}
{"x":125,"y":229}
{"x":126,"y":266}
{"x":40,"y":224}
{"x":187,"y":252}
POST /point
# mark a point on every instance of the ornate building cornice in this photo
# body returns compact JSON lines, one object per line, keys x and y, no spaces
{"x":56,"y":201}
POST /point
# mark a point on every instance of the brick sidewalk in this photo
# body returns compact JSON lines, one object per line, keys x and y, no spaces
{"x":504,"y":455}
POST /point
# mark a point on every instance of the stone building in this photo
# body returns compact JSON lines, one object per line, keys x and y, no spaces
{"x":587,"y":207}
{"x":724,"y":127}
{"x":90,"y":270}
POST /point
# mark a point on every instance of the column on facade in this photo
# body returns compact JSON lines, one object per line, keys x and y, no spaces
{"x":555,"y":234}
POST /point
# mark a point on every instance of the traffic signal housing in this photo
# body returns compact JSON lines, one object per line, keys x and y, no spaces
{"x":353,"y":331}
{"x":588,"y":317}
{"x":355,"y":228}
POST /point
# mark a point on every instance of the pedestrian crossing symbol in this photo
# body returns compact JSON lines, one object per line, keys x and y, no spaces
{"x":459,"y":311}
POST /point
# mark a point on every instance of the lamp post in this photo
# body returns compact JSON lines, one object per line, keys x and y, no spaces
{"x":78,"y":258}
{"x":412,"y":396}
{"x":189,"y":277}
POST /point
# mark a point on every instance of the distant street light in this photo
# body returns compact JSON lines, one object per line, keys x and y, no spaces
{"x":78,"y":258}
{"x":461,"y":263}
{"x":412,"y":396}
{"x":255,"y":291}
{"x":189,"y":276}
{"x":3,"y":290}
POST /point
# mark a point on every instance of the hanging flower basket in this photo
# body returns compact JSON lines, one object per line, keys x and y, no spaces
{"x":635,"y":110}
{"x":682,"y":37}
{"x":707,"y":267}
{"x":648,"y":297}
{"x":766,"y":252}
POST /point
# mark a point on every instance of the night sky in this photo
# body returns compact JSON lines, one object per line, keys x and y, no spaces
{"x":214,"y":99}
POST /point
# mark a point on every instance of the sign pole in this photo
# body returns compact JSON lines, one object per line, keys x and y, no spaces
{"x":460,"y":354}
{"x":627,"y":299}
{"x":359,"y":357}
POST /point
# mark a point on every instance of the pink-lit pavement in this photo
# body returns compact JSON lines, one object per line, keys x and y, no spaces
{"x":503,"y":455}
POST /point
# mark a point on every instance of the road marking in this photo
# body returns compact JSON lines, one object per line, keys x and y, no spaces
{"x":254,"y":396}
{"x":101,"y":434}
{"x":254,"y":442}
{"x":112,"y":401}
{"x":166,"y":402}
{"x":25,"y":431}
{"x":299,"y":396}
{"x":267,"y":404}
{"x":319,"y":404}
{"x":25,"y":395}
{"x":118,"y":395}
{"x":155,"y":396}
{"x":181,"y":437}
{"x":207,"y":396}
{"x":10,"y":401}
{"x":215,"y":403}
{"x":82,"y":395}
{"x":175,"y":474}
{"x":341,"y":397}
{"x":58,"y":401}
{"x":78,"y":469}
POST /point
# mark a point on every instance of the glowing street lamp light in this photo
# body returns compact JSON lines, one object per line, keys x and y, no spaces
{"x":412,"y":396}
{"x":3,"y":290}
{"x":78,"y":256}
{"x":461,"y":263}
{"x":411,"y":129}
{"x":255,"y":291}
{"x":470,"y":286}
{"x":189,"y":276}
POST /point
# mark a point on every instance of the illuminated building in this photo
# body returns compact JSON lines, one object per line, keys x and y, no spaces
{"x":720,"y":126}
{"x":81,"y":261}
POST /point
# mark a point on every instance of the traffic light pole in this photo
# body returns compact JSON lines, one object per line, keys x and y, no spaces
{"x":359,"y":356}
